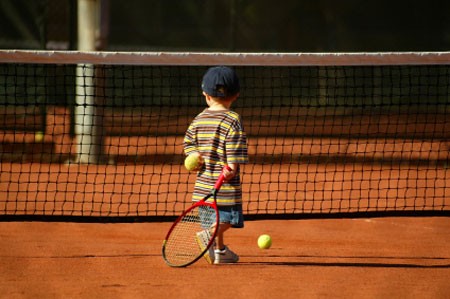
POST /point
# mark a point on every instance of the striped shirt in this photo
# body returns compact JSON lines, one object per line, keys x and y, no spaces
{"x":218,"y":135}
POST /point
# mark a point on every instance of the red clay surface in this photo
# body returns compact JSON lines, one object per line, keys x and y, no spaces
{"x":344,"y":258}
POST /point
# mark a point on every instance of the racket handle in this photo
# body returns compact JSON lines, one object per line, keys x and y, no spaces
{"x":221,"y":178}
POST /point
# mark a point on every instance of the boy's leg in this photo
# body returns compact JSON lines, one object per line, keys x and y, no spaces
{"x":223,"y":227}
{"x":222,"y":254}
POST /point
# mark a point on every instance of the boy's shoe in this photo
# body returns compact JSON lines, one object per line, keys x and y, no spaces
{"x":225,"y":256}
{"x":203,"y":238}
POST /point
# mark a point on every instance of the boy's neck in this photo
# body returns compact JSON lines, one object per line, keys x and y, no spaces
{"x":218,"y":105}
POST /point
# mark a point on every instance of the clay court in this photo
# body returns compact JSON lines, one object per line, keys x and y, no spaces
{"x":378,"y":257}
{"x":329,"y":258}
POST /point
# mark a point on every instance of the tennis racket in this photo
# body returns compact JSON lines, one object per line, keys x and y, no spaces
{"x":193,"y":232}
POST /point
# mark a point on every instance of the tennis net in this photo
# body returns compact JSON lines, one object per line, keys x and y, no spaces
{"x":100,"y":134}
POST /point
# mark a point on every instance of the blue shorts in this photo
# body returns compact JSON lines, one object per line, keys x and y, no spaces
{"x":232,"y":215}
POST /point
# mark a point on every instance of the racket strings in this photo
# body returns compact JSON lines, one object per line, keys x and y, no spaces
{"x":183,"y":245}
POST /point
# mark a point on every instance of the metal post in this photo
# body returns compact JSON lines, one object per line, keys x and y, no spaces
{"x":88,"y":115}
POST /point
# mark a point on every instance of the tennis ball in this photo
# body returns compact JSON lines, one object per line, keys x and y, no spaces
{"x":193,"y":162}
{"x":264,"y":241}
{"x":39,"y":136}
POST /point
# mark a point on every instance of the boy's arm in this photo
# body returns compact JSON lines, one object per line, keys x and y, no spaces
{"x":189,"y":144}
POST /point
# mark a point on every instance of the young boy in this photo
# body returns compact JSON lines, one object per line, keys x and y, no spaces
{"x":218,"y":136}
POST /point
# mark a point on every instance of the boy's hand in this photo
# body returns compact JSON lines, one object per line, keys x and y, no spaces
{"x":229,"y":172}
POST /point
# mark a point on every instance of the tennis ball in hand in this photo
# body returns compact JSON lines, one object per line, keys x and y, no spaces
{"x":193,"y":162}
{"x":264,"y":241}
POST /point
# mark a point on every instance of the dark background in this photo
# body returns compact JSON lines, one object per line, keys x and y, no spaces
{"x":234,"y":25}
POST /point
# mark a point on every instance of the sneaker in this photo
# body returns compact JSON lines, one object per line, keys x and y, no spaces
{"x":225,"y":256}
{"x":203,"y":238}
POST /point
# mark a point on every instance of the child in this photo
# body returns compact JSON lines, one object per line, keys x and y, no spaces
{"x":218,"y":136}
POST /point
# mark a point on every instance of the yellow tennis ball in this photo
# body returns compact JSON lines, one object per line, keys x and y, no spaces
{"x":264,"y":241}
{"x":39,"y":136}
{"x":193,"y":162}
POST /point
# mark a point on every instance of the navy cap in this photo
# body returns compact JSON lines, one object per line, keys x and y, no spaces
{"x":220,"y":81}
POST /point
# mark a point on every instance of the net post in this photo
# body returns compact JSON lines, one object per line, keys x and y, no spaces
{"x":88,"y":117}
{"x":88,"y":110}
